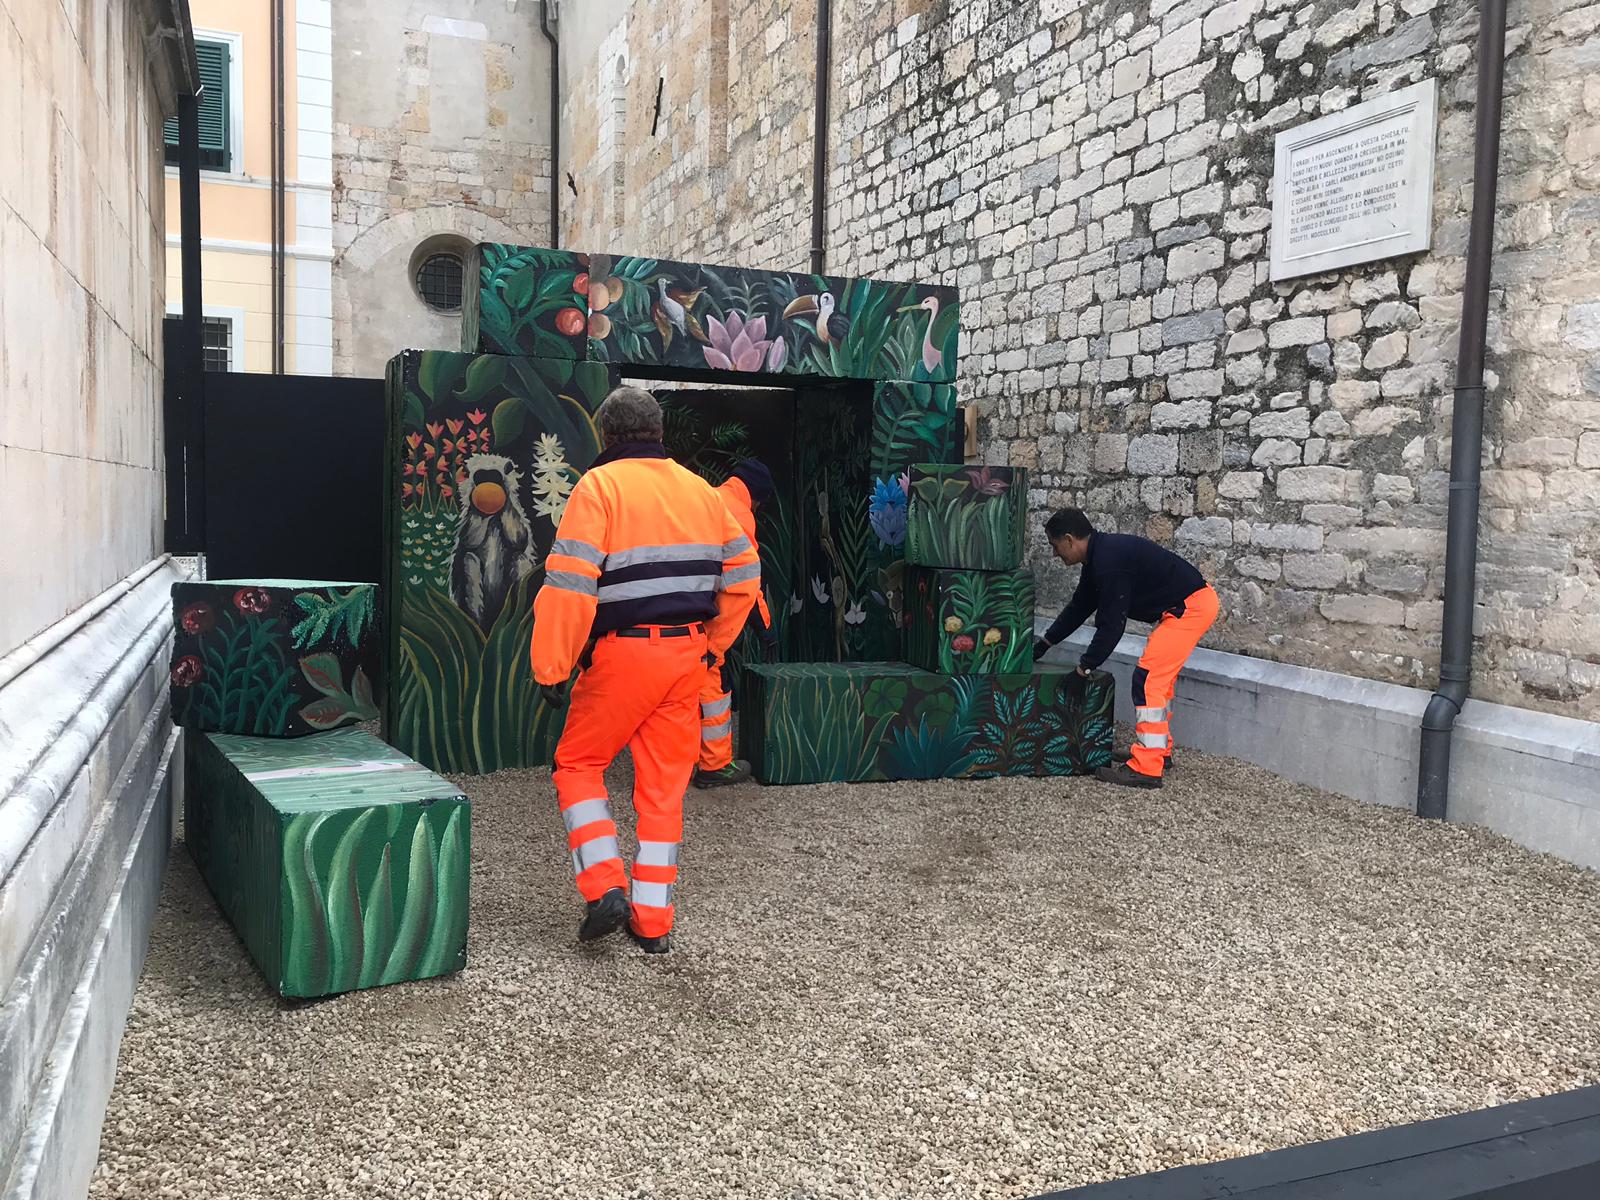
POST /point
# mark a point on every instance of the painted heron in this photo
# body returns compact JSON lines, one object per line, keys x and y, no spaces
{"x":932,"y":356}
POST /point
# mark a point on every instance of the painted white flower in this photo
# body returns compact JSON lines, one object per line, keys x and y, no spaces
{"x":855,"y":614}
{"x":552,"y":478}
{"x":819,"y":590}
{"x":795,"y":603}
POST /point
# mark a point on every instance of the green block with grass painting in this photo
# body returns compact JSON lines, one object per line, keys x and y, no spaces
{"x":971,"y":517}
{"x":341,"y":863}
{"x":860,"y":722}
{"x":969,"y":622}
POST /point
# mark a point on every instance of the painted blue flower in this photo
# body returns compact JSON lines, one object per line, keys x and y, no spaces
{"x":886,"y":511}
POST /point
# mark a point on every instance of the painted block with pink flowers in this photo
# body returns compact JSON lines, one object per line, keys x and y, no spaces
{"x":273,"y":657}
{"x":962,"y":622}
{"x":972,"y":517}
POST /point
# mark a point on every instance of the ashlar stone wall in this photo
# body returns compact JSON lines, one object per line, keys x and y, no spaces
{"x":1096,"y":178}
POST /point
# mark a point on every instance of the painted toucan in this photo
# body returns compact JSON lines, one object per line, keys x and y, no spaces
{"x":831,"y":325}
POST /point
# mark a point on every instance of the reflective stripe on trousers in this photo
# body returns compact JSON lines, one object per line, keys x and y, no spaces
{"x":1165,"y":651}
{"x":592,"y":838}
{"x":716,"y":722}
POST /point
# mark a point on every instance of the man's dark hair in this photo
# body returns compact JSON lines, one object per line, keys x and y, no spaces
{"x":1067,"y":522}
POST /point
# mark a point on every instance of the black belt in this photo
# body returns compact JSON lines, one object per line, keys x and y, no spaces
{"x":661,"y":631}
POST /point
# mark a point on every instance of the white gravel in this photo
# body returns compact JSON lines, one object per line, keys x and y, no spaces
{"x":962,"y":989}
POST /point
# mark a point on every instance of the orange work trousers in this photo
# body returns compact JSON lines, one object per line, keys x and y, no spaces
{"x":1165,"y":651}
{"x":643,"y":693}
{"x":716,"y":722}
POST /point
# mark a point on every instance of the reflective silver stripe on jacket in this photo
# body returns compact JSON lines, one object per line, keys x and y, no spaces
{"x":1154,"y":741}
{"x":739,"y":574}
{"x":573,"y":548}
{"x":652,"y":895}
{"x":711,"y":733}
{"x":638,"y":589}
{"x":571,"y":581}
{"x":716,"y":708}
{"x":586,"y":812}
{"x":1149,"y":716}
{"x":656,"y":854}
{"x":682,"y":552}
{"x":736,"y":547}
{"x":593,"y":852}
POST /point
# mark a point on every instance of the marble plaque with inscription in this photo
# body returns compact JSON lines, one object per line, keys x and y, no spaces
{"x":1356,"y":185}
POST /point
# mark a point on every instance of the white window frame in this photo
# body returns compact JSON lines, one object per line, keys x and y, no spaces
{"x":235,"y":43}
{"x":235,"y":319}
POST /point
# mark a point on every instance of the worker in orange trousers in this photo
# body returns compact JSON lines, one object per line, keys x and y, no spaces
{"x":648,"y":580}
{"x":749,"y":487}
{"x":1128,"y":576}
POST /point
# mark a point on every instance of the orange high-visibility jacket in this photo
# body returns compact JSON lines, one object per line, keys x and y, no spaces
{"x":642,"y":542}
{"x":737,"y":497}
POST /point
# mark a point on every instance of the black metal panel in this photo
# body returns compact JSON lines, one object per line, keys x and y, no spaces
{"x":294,"y":477}
{"x":1545,"y":1149}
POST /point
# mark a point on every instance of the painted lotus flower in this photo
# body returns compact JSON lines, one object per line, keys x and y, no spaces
{"x":187,"y":671}
{"x":741,"y":344}
{"x":986,"y":483}
{"x":198,"y":618}
{"x":252,"y":600}
{"x":886,"y":511}
{"x":963,"y":643}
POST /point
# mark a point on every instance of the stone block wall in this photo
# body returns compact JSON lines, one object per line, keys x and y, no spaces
{"x":1096,"y":178}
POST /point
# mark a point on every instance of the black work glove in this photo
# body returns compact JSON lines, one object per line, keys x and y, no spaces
{"x":556,"y":695}
{"x":1040,"y":649}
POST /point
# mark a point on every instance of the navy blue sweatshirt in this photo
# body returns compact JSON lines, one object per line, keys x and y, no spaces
{"x":1123,"y":576}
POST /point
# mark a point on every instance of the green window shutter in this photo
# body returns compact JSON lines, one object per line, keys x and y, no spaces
{"x":215,"y":108}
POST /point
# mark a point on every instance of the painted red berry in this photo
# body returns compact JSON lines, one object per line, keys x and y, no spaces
{"x":198,"y":618}
{"x":571,"y":322}
{"x":187,"y":671}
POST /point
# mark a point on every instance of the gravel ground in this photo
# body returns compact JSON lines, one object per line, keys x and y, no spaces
{"x":920,"y":989}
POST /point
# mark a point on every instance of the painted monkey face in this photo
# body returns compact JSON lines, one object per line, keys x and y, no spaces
{"x":491,"y":484}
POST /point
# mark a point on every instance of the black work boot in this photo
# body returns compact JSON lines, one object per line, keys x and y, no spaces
{"x":1126,"y":776}
{"x":1122,"y":756}
{"x":736,"y":771}
{"x":606,"y":915}
{"x":650,"y":945}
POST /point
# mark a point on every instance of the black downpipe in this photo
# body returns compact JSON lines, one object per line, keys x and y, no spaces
{"x":280,"y":187}
{"x":186,"y":527}
{"x":819,"y":149}
{"x":1466,"y":429}
{"x":555,"y":123}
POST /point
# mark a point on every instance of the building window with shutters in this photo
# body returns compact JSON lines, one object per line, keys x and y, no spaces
{"x":218,"y":61}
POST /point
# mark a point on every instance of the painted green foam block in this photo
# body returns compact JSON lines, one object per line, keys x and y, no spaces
{"x":341,"y":863}
{"x":969,"y":517}
{"x":527,"y":301}
{"x":858,"y":722}
{"x":273,"y":657}
{"x":961,"y":622}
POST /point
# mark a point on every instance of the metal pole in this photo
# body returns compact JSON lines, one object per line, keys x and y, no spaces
{"x":555,"y":123}
{"x":190,"y":520}
{"x":1466,"y":430}
{"x":819,"y":148}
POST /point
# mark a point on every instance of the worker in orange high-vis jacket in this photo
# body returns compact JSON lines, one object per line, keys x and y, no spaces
{"x":746,"y":490}
{"x":1127,"y":576}
{"x":648,"y":580}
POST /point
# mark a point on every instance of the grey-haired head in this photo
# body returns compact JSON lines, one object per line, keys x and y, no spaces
{"x":629,"y":414}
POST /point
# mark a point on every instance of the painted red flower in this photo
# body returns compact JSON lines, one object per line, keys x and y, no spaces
{"x":446,"y":490}
{"x":962,"y":643}
{"x":434,"y":429}
{"x":252,"y":600}
{"x":986,"y":483}
{"x":198,"y":618}
{"x":455,"y":426}
{"x":413,"y":440}
{"x":405,"y":491}
{"x":477,"y":416}
{"x":428,"y":451}
{"x":187,"y":671}
{"x":571,"y":322}
{"x":580,"y":285}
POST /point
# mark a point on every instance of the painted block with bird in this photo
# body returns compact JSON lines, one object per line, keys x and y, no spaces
{"x":972,"y":517}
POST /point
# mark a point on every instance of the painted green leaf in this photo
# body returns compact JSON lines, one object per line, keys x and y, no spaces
{"x":366,"y":708}
{"x":346,"y":927}
{"x":449,"y":931}
{"x":377,"y":935}
{"x":322,"y":671}
{"x":509,"y":416}
{"x":485,"y":374}
{"x":306,"y":963}
{"x":417,"y":920}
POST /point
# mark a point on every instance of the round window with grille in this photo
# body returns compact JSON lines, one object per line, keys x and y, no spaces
{"x":438,"y":281}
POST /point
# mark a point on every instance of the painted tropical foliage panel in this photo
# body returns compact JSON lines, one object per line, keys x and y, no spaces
{"x":830,"y":722}
{"x":655,"y":312}
{"x":973,"y":517}
{"x":962,"y":622}
{"x":527,"y":302}
{"x":485,"y":450}
{"x":341,"y":863}
{"x":273,"y":657}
